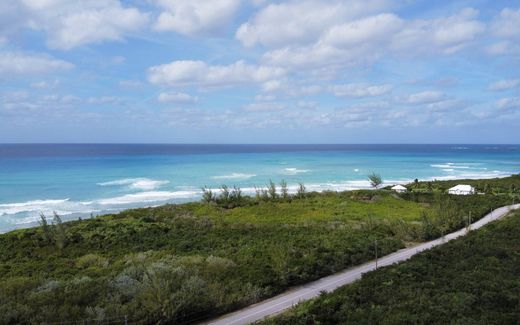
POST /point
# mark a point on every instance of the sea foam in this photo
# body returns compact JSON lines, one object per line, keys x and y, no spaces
{"x":235,"y":176}
{"x":294,"y":171}
{"x":148,"y":197}
{"x":144,"y":184}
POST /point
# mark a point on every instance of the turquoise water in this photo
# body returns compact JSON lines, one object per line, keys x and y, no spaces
{"x":77,"y":180}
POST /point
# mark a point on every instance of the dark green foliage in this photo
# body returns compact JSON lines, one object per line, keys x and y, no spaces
{"x":207,"y":195}
{"x":60,"y":237}
{"x":301,"y":191}
{"x":375,"y":180}
{"x":224,"y":193}
{"x":46,"y":229}
{"x":271,"y":189}
{"x":472,"y":280}
{"x":283,"y":189}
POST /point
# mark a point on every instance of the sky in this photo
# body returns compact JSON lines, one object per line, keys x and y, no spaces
{"x":259,"y":71}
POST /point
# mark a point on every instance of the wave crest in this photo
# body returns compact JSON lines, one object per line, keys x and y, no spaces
{"x":144,"y":184}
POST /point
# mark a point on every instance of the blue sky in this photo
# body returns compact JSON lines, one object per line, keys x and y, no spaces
{"x":258,"y":71}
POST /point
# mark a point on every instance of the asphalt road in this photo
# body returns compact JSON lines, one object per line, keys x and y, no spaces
{"x":311,"y":290}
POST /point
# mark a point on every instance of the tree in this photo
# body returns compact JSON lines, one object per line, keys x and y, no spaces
{"x":301,"y":191}
{"x":207,"y":195}
{"x":375,"y":180}
{"x":271,"y":188}
{"x":283,"y":189}
{"x":416,"y":182}
{"x":60,"y":236}
{"x":236,"y":195}
{"x":224,"y":193}
{"x":47,"y":231}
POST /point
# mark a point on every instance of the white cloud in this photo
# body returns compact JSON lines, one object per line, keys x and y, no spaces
{"x":360,"y":90}
{"x":45,"y":84}
{"x":301,"y":22}
{"x":265,"y":98}
{"x":179,"y":98}
{"x":264,"y":106}
{"x":14,"y":63}
{"x":130,"y":83}
{"x":425,"y":97}
{"x":195,"y":17}
{"x":69,"y":24}
{"x":503,"y":47}
{"x":370,"y":29}
{"x":506,"y":28}
{"x":507,"y":24}
{"x":504,"y":84}
{"x":365,"y":40}
{"x":445,"y":35}
{"x":198,"y":73}
{"x":509,"y":103}
{"x":105,"y":100}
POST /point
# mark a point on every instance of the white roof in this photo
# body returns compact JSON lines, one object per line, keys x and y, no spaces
{"x":462,"y":187}
{"x":399,"y":187}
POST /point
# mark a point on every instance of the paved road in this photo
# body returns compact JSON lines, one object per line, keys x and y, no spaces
{"x":311,"y":290}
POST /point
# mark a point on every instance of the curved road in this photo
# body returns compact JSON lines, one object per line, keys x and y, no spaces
{"x":311,"y":290}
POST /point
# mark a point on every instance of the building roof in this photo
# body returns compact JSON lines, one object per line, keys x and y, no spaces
{"x":399,"y":187}
{"x":462,"y":188}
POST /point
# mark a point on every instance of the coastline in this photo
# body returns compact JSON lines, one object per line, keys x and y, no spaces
{"x":181,"y":197}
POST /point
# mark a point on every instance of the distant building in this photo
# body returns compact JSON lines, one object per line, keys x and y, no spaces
{"x":399,"y":189}
{"x":462,"y":190}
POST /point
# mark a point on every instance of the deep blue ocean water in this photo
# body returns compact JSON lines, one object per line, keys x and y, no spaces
{"x":79,"y":179}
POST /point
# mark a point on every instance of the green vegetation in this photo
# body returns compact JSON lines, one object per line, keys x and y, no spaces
{"x":498,"y":186}
{"x":179,"y":263}
{"x":375,"y":180}
{"x":472,"y":280}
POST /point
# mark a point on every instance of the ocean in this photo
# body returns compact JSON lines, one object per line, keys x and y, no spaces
{"x":77,"y":180}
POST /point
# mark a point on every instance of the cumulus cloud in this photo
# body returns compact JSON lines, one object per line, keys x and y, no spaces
{"x":509,"y":103}
{"x":301,"y":22}
{"x":69,"y":24}
{"x":375,"y":28}
{"x":264,"y":107}
{"x":364,"y":40}
{"x":105,"y":100}
{"x":506,"y":28}
{"x":15,"y":63}
{"x":360,"y":90}
{"x":201,"y":74}
{"x":504,"y":84}
{"x":178,"y":98}
{"x":507,"y":24}
{"x":45,"y":84}
{"x":425,"y":97}
{"x":445,"y":35}
{"x":195,"y":17}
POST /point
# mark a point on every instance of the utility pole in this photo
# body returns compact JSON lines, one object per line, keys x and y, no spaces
{"x":469,"y":221}
{"x":376,"y":252}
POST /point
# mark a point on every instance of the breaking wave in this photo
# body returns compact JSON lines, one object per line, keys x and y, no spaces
{"x":144,"y":184}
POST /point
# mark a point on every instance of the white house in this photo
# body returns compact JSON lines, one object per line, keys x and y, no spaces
{"x":399,"y":188}
{"x":462,"y":190}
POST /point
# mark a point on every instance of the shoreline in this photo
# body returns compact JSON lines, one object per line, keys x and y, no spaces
{"x":194,"y":196}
